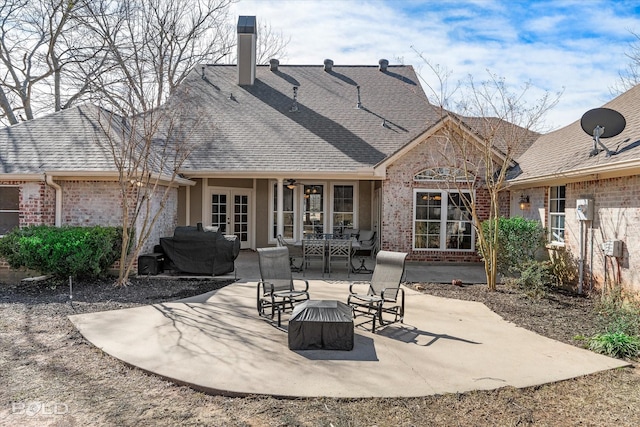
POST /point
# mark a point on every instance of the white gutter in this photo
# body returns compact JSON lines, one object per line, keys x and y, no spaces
{"x":590,"y":173}
{"x":58,"y":220}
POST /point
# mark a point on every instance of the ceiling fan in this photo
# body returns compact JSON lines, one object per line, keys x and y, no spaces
{"x":291,"y":184}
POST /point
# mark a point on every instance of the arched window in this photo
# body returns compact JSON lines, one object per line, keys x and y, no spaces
{"x":441,"y":174}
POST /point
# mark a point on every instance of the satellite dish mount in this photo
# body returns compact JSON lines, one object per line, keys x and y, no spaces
{"x":602,"y":123}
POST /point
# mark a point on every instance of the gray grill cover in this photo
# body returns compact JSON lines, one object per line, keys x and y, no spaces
{"x":321,"y":325}
{"x":201,"y":252}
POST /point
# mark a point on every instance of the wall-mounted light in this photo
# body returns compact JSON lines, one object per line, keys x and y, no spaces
{"x":524,"y":202}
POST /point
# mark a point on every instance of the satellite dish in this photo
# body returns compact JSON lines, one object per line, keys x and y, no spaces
{"x":602,"y":123}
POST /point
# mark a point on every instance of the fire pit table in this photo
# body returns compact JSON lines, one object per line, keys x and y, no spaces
{"x":321,"y":324}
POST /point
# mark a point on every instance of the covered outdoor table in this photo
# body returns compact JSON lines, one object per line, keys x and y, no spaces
{"x":321,"y":325}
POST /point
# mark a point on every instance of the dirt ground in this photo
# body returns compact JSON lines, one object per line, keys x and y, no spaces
{"x":50,"y":375}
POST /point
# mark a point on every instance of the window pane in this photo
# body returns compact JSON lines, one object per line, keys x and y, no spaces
{"x":9,"y":198}
{"x":8,"y":221}
{"x":557,"y":204}
{"x":343,"y":213}
{"x":287,"y":211}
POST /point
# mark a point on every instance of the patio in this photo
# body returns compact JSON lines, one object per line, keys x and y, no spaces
{"x":217,"y":343}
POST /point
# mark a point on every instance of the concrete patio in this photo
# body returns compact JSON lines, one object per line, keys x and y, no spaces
{"x":217,"y":343}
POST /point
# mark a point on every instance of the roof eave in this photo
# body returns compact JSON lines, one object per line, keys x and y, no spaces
{"x":613,"y":170}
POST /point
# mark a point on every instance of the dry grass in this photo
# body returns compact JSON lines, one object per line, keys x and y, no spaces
{"x":45,"y":361}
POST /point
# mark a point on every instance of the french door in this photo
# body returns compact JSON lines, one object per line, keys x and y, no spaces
{"x":230,"y":211}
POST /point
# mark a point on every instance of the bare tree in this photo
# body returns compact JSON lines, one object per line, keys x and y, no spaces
{"x":630,"y":77}
{"x":30,"y":34}
{"x":490,"y":127}
{"x":122,"y":53}
{"x":148,"y":150}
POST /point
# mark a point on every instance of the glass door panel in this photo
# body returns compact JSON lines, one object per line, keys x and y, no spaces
{"x":313,"y":210}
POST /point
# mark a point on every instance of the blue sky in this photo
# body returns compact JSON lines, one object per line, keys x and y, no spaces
{"x":577,"y":47}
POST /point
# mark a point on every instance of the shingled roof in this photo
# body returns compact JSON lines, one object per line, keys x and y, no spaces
{"x":260,"y":127}
{"x":68,"y":140}
{"x":565,"y":153}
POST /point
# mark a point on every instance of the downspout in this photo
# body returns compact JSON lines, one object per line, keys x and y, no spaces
{"x":56,"y":186}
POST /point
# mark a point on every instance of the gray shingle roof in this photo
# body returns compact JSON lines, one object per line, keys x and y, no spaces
{"x":566,"y":151}
{"x":69,"y":140}
{"x":252,"y":128}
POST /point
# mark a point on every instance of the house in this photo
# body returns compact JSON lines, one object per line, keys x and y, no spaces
{"x":295,"y":150}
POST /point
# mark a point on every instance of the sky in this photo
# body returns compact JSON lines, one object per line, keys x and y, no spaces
{"x":577,"y":48}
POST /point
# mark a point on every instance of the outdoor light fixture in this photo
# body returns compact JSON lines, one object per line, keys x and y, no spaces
{"x":524,"y":202}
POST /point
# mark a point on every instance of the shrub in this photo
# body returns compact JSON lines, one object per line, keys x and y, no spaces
{"x":615,"y":344}
{"x":518,"y":241}
{"x":620,"y":319}
{"x":536,"y":278}
{"x":63,"y":251}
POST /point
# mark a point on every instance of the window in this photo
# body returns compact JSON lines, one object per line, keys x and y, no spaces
{"x":288,"y":211}
{"x":441,"y":174}
{"x":343,"y":208}
{"x":556,"y":213}
{"x":313,"y":210}
{"x":442,"y":221}
{"x":9,"y":209}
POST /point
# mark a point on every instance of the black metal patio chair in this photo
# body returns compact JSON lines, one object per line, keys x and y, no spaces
{"x":384,"y":297}
{"x":276,"y":290}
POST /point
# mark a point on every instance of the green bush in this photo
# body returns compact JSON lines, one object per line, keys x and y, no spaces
{"x":518,"y":241}
{"x":615,"y":344}
{"x":63,"y":251}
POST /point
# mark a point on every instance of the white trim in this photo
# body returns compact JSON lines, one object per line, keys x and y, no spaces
{"x":356,"y":197}
{"x":444,"y":204}
{"x":298,"y":205}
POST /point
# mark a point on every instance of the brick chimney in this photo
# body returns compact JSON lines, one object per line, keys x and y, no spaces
{"x":246,"y":50}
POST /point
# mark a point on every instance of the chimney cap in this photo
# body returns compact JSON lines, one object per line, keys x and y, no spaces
{"x":328,"y":64}
{"x":383,"y":64}
{"x":273,"y":64}
{"x":246,"y":25}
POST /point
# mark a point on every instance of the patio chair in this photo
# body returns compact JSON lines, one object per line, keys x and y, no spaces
{"x":295,"y":252}
{"x":313,"y":249}
{"x":276,"y":290}
{"x":340,"y":249}
{"x":385,"y":296}
{"x":368,"y":242}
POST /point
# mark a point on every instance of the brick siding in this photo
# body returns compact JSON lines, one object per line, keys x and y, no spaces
{"x":89,"y":203}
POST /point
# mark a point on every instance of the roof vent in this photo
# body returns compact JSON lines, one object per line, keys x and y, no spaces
{"x":328,"y":65}
{"x":294,"y":107}
{"x":359,"y":104}
{"x":273,"y":64}
{"x":383,"y":64}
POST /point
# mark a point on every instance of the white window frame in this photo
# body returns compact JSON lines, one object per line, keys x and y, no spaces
{"x":553,"y":214}
{"x":356,"y":192}
{"x":444,"y":204}
{"x":298,"y":206}
{"x":12,"y":210}
{"x":272,"y":211}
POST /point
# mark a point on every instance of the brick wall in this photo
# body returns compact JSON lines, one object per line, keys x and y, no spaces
{"x":397,"y":204}
{"x":89,"y":203}
{"x":616,"y":217}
